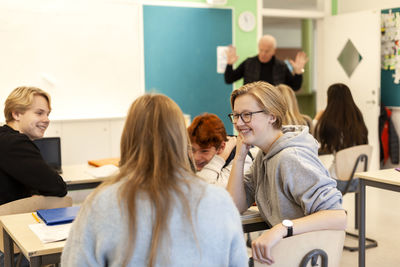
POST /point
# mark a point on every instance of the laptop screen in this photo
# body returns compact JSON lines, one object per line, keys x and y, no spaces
{"x":50,"y":148}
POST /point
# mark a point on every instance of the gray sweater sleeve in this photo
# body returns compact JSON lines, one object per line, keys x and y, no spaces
{"x":250,"y":182}
{"x":308,"y":183}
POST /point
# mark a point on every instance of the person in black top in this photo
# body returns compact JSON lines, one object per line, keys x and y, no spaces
{"x":265,"y":67}
{"x":23,"y":172}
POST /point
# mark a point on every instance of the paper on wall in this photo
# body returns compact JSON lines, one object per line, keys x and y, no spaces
{"x":221,"y":59}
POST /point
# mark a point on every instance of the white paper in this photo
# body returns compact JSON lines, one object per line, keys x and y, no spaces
{"x":103,"y":171}
{"x":52,"y":233}
{"x":221,"y":59}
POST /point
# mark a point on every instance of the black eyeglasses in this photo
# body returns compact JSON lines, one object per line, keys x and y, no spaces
{"x":245,"y":116}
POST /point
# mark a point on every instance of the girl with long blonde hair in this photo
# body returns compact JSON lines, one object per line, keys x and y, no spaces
{"x":293,"y":115}
{"x":156,"y":212}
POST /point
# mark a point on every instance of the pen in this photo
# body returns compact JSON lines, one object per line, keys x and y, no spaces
{"x":36,"y":218}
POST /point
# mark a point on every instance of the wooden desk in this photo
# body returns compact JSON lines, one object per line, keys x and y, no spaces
{"x":77,"y":178}
{"x":16,"y":229}
{"x":253,"y":224}
{"x":388,"y":179}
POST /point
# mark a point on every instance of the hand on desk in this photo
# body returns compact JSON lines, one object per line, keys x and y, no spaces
{"x":262,"y":246}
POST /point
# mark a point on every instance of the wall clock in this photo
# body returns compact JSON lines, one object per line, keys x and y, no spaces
{"x":247,"y":21}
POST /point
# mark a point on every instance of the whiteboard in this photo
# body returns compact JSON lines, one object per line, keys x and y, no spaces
{"x":87,"y":54}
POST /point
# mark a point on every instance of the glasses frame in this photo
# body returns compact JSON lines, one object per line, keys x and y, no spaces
{"x":235,"y":117}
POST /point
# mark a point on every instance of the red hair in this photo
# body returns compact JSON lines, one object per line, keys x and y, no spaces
{"x":207,"y":130}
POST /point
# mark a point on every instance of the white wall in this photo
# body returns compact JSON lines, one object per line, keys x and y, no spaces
{"x":286,"y":31}
{"x":83,"y":140}
{"x":345,"y":6}
{"x":87,"y":54}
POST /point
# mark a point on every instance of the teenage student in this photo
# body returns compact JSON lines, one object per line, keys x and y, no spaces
{"x":291,"y":187}
{"x":213,"y":151}
{"x":293,"y":115}
{"x":23,"y":172}
{"x":156,"y":212}
{"x":339,"y":126}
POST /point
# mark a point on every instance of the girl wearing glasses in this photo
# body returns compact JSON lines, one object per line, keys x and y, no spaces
{"x":291,"y":187}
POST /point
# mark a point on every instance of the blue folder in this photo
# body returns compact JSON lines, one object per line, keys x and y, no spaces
{"x":59,"y":215}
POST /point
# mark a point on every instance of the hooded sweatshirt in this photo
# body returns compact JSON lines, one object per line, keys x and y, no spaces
{"x":290,"y":181}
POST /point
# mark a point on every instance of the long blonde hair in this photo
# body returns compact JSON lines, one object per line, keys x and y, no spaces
{"x":293,"y":115}
{"x":154,"y":158}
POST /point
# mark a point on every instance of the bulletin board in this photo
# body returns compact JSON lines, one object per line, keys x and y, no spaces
{"x":180,"y":57}
{"x":390,"y":57}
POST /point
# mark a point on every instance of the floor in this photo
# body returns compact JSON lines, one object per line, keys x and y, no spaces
{"x":383,"y":221}
{"x":383,"y":225}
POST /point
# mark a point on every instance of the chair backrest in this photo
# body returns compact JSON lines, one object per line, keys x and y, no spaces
{"x":348,"y":161}
{"x":31,"y":204}
{"x":295,"y":250}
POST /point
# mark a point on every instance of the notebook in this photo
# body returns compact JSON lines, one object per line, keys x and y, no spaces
{"x":50,"y":148}
{"x":59,"y":215}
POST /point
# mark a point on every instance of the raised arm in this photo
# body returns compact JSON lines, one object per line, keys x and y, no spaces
{"x":230,"y":74}
{"x":299,"y":63}
{"x":295,"y":78}
{"x":235,"y":184}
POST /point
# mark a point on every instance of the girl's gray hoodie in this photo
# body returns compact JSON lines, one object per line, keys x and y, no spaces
{"x":290,"y":181}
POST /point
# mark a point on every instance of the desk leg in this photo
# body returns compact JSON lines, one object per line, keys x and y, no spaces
{"x":35,"y":261}
{"x":8,"y":250}
{"x":361,"y":222}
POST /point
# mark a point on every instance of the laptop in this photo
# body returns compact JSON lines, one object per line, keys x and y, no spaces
{"x":50,"y":148}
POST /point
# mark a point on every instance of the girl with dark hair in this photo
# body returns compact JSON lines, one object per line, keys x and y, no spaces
{"x":340,"y":125}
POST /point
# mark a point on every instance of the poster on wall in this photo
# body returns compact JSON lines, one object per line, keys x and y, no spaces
{"x":390,"y":52}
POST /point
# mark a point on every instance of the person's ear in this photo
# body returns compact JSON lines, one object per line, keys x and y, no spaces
{"x":271,"y":119}
{"x":221,"y":148}
{"x":16,"y":115}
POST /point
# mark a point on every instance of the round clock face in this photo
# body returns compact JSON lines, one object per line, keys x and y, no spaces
{"x":247,"y":21}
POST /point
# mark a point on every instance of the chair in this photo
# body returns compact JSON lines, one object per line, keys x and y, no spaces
{"x":31,"y":204}
{"x":309,"y":249}
{"x":347,"y":162}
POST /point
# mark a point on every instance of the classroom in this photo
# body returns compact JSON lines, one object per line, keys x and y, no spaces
{"x":94,"y":58}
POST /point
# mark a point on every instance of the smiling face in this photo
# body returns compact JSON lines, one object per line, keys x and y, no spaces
{"x":258,"y":131}
{"x":202,"y":156}
{"x":34,"y":121}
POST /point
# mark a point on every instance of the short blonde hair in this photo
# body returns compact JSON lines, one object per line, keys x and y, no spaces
{"x":21,"y":99}
{"x":268,"y":97}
